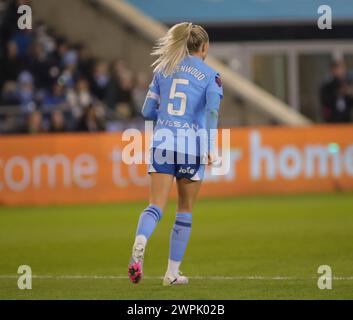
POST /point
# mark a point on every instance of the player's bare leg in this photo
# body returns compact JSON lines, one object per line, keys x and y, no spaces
{"x":160,"y":186}
{"x":159,"y":191}
{"x":187,"y":193}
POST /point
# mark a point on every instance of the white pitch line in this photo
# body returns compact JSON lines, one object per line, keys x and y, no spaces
{"x":120,"y":277}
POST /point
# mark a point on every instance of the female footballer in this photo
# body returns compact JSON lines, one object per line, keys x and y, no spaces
{"x":185,"y":94}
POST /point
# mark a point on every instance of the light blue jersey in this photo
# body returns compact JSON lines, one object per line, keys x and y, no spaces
{"x":178,"y":102}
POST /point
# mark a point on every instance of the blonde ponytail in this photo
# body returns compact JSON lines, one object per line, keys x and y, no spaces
{"x":181,"y":40}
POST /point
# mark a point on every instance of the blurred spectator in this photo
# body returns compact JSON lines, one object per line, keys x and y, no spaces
{"x":85,"y":61}
{"x":119,"y":95}
{"x":123,"y":111}
{"x":23,"y":39}
{"x":80,"y":97}
{"x":40,"y":66}
{"x":62,"y":46}
{"x":57,"y":122}
{"x":118,"y":67}
{"x":11,"y":65}
{"x":35,"y":123}
{"x":55,"y":97}
{"x":10,"y":125}
{"x":336,"y":96}
{"x":100,"y":80}
{"x":9,"y":95}
{"x":45,"y":39}
{"x":91,"y":120}
{"x":25,"y":91}
{"x":126,"y":86}
{"x":69,"y":63}
{"x":70,"y":59}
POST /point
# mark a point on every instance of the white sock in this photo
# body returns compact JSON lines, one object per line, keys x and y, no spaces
{"x":141,"y":240}
{"x":173,"y":267}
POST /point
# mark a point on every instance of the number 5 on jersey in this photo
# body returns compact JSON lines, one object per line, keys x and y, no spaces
{"x":177,"y":94}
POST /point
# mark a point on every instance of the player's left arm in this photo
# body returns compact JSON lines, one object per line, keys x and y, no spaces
{"x":151,"y":104}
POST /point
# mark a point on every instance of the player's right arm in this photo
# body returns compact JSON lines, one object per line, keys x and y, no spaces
{"x":151,"y":105}
{"x":214,"y":95}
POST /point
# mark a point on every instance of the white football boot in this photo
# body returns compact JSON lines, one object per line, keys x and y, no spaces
{"x":171,"y":280}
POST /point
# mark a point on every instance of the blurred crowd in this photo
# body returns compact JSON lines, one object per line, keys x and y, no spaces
{"x":48,"y":84}
{"x":336,"y":94}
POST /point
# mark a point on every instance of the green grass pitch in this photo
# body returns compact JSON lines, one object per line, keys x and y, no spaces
{"x":242,"y":248}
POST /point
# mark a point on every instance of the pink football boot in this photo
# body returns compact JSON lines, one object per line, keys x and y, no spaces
{"x":136,"y":262}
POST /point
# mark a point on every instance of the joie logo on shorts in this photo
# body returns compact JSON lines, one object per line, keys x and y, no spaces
{"x":187,"y":170}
